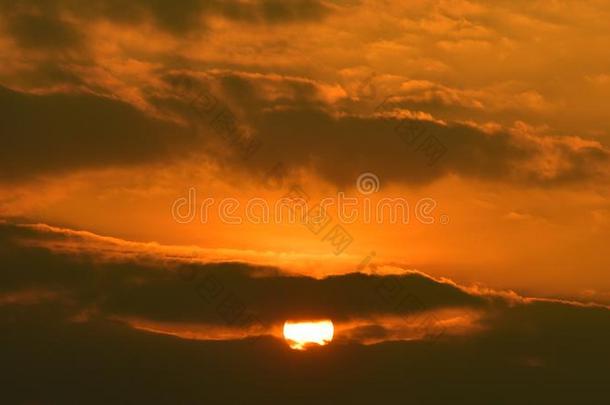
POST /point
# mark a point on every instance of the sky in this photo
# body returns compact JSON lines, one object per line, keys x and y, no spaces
{"x":307,"y":159}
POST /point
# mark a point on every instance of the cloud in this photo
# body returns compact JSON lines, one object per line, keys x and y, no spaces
{"x":77,"y":303}
{"x":302,"y":130}
{"x":163,"y":288}
{"x":57,"y":51}
{"x":53,"y":132}
{"x":31,"y":24}
{"x":58,"y":132}
{"x":43,"y":31}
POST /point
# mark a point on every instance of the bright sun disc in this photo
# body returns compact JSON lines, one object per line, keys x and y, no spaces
{"x":300,"y":334}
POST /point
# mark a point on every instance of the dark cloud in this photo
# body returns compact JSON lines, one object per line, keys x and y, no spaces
{"x":300,"y":123}
{"x":193,"y":292}
{"x":59,"y":132}
{"x":296,"y":128}
{"x":277,"y":11}
{"x":35,"y":23}
{"x":299,"y":129}
{"x":102,"y":362}
{"x":542,"y":351}
{"x":50,"y":74}
{"x":42,"y":31}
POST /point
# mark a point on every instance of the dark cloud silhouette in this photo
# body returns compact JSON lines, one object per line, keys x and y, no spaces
{"x":298,"y":129}
{"x":58,"y":132}
{"x":195,"y":292}
{"x":101,"y":362}
{"x":298,"y":122}
{"x":42,"y":31}
{"x":35,"y":23}
{"x":396,"y":150}
{"x":546,"y":351}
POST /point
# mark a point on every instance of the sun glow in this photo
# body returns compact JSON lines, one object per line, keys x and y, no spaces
{"x":301,"y":334}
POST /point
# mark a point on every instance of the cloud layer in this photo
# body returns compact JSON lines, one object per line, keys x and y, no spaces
{"x":70,"y":66}
{"x":75,"y":300}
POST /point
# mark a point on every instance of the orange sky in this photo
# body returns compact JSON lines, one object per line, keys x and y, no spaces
{"x":517,"y":92}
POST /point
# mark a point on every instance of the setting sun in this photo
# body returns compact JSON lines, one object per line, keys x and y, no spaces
{"x":300,"y":334}
{"x":193,"y":192}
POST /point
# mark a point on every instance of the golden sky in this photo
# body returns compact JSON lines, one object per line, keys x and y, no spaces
{"x":304,"y":201}
{"x":109,"y":109}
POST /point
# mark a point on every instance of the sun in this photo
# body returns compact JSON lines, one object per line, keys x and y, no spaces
{"x":301,"y":334}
